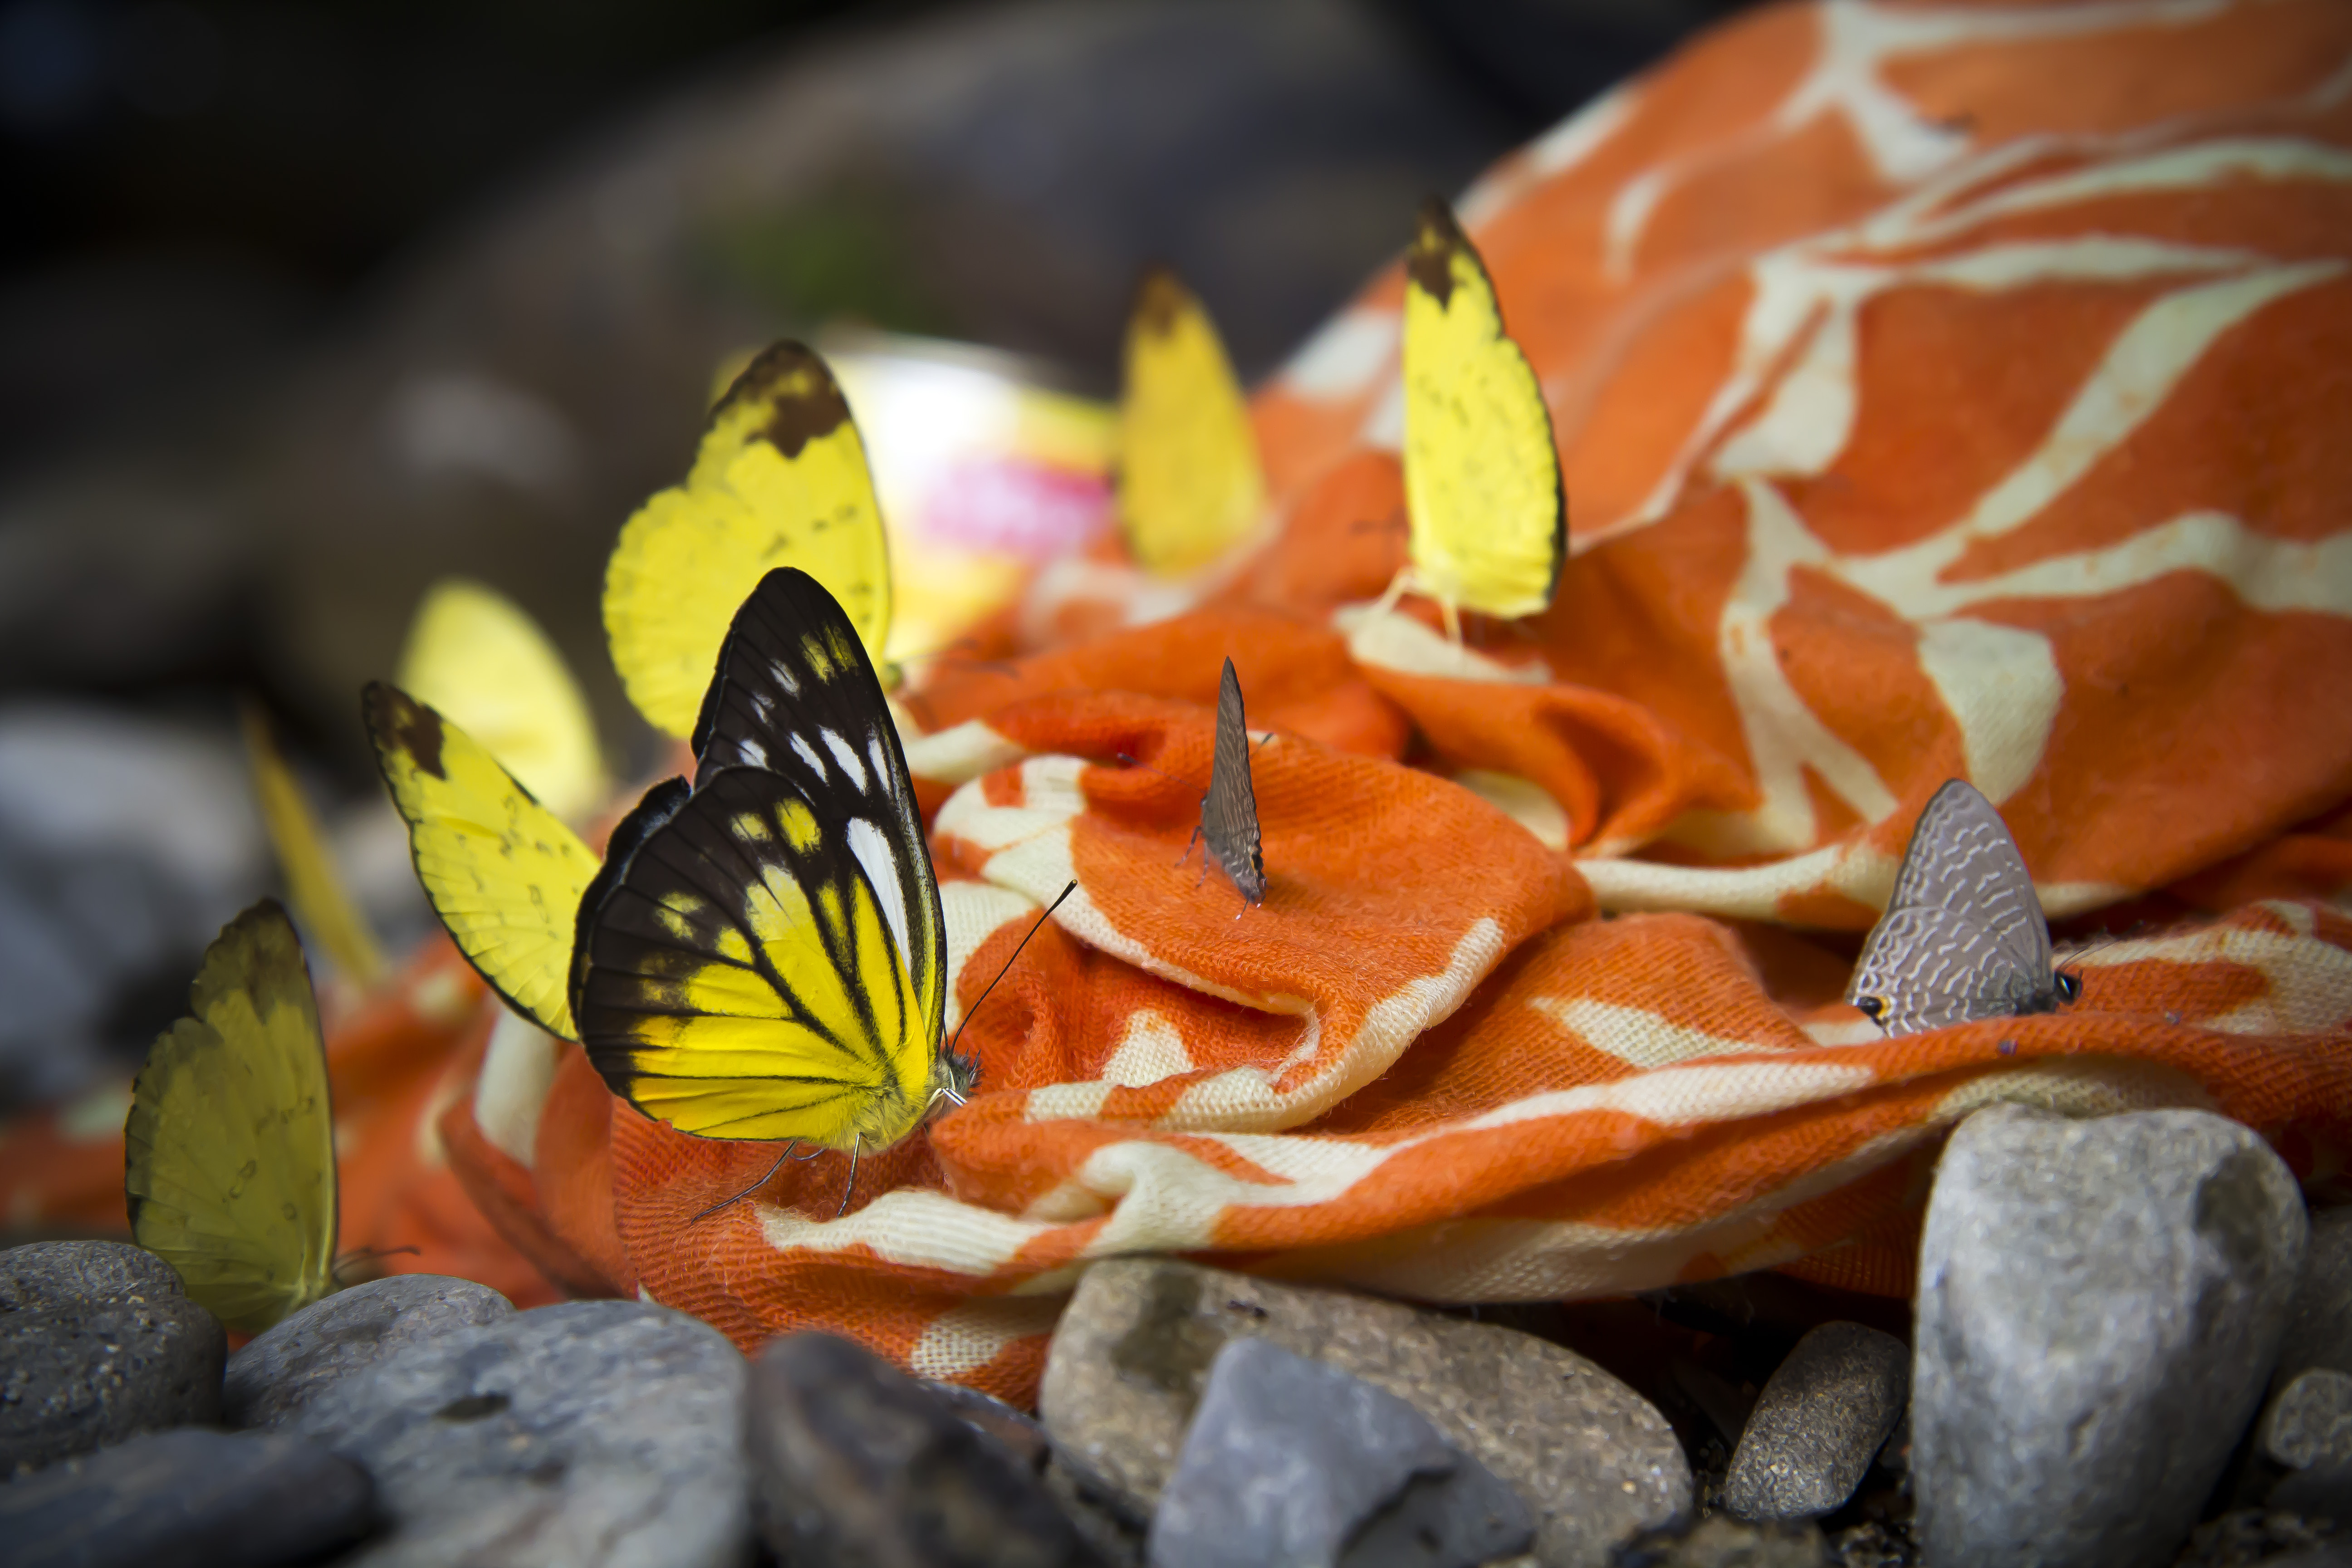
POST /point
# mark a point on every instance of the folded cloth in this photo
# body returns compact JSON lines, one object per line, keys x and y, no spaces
{"x":1941,"y":392}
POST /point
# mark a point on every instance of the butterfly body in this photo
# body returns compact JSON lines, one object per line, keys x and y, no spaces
{"x":764,"y":956}
{"x":229,"y":1150}
{"x":1486,"y":517}
{"x":1963,"y":937}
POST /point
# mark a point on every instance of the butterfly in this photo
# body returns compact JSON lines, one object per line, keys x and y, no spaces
{"x":505,"y":874}
{"x":1963,"y":937}
{"x":780,"y":478}
{"x":1487,"y":520}
{"x":311,"y":880}
{"x":1229,"y":811}
{"x":229,"y":1150}
{"x":1189,"y":481}
{"x":477,"y":658}
{"x":763,"y":956}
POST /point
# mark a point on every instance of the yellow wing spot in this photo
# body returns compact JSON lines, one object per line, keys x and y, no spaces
{"x":675,"y":922}
{"x":749,"y":829}
{"x":732,"y":946}
{"x":799,"y":825}
{"x":819,"y":654}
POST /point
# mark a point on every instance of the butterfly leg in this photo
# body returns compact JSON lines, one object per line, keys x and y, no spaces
{"x":853,"y":1145}
{"x":754,"y":1187}
{"x":1453,"y":618}
{"x":1397,"y":588}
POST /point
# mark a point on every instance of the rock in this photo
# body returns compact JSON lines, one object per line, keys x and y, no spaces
{"x":179,"y":1500}
{"x":592,"y":1433}
{"x":2322,"y":1491}
{"x":1821,"y":1419}
{"x":271,"y":1380}
{"x":857,"y":1463}
{"x":1592,"y":1459}
{"x":78,"y":1377}
{"x":69,"y":1273}
{"x":2273,"y":1539}
{"x":2309,"y":1421}
{"x":2099,"y":1304}
{"x":1022,"y":1437}
{"x":2319,"y":1320}
{"x":1290,"y":1461}
{"x":1113,"y":1523}
{"x":1720,"y":1541}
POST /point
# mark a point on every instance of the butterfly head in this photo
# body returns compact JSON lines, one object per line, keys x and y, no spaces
{"x":952,"y":1076}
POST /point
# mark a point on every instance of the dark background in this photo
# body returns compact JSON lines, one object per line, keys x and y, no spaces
{"x":253,"y":247}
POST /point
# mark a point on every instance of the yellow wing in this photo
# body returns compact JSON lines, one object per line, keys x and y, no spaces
{"x":502,"y":871}
{"x":1189,"y":481}
{"x":473,"y":654}
{"x":311,"y":880}
{"x":779,"y":479}
{"x":1489,"y":522}
{"x":763,"y":956}
{"x":229,"y":1173}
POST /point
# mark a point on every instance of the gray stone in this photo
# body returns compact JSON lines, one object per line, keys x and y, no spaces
{"x":2322,"y":1491}
{"x":2319,"y":1320}
{"x":1722,"y":1541}
{"x":856,"y":1463}
{"x":50,"y":1274}
{"x":189,"y":1499}
{"x":591,"y":1433}
{"x":1291,"y":1462}
{"x":78,"y":1378}
{"x":2309,"y":1421}
{"x":2099,"y":1304}
{"x":1592,"y":1459}
{"x":1823,"y":1416}
{"x":2272,"y":1538}
{"x":271,"y":1380}
{"x":1022,"y":1435}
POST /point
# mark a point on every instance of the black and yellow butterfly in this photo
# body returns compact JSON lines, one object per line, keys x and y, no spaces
{"x":763,"y":955}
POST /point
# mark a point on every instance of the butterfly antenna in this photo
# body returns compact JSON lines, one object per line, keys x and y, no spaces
{"x":1065,"y":892}
{"x":754,"y":1187}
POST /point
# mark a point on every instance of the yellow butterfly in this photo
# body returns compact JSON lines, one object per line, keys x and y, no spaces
{"x":474,"y":655}
{"x":1189,"y":481}
{"x":780,"y":478}
{"x":229,"y":1169}
{"x":504,"y":873}
{"x":311,"y":880}
{"x":1487,"y":519}
{"x":763,"y":956}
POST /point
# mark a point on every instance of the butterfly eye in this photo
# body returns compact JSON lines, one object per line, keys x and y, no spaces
{"x":1872,"y":1006}
{"x":2070,"y":986}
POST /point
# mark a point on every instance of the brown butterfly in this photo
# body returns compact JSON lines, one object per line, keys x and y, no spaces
{"x":1229,"y":811}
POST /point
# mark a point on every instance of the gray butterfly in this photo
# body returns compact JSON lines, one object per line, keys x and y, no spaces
{"x":1963,"y":937}
{"x":1229,"y":811}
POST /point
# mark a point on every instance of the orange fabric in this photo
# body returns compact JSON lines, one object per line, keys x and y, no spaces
{"x":1941,"y":390}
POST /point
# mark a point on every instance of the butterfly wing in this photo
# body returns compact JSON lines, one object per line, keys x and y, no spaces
{"x":1963,"y":936}
{"x":1487,"y":519}
{"x":311,"y":879}
{"x":1229,"y":811}
{"x":780,"y":478}
{"x":229,"y":1166}
{"x":504,"y":873}
{"x":1189,"y":481}
{"x":476,"y":657}
{"x":744,"y":977}
{"x":793,"y":694}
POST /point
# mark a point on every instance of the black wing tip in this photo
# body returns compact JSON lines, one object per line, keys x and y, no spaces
{"x":1161,"y":299}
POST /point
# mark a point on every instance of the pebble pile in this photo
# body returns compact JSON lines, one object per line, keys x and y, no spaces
{"x":2131,"y":1345}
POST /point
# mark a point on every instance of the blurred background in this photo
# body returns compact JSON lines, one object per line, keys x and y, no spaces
{"x":303,"y":307}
